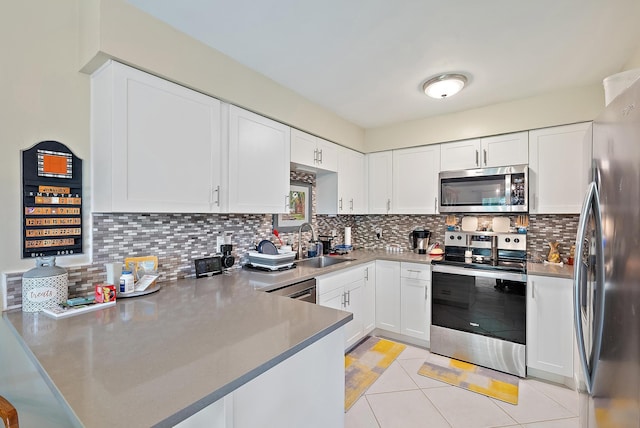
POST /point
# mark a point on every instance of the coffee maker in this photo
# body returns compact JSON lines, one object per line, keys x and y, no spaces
{"x":227,"y":259}
{"x":419,"y":240}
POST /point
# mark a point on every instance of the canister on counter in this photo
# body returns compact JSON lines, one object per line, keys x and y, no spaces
{"x":126,"y":282}
{"x":44,"y":286}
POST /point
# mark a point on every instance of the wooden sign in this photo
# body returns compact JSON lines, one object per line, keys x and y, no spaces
{"x":52,"y":201}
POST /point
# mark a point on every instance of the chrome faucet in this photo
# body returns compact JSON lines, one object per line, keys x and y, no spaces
{"x":313,"y":238}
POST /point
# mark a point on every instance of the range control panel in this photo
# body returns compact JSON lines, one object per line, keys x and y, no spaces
{"x":504,"y":241}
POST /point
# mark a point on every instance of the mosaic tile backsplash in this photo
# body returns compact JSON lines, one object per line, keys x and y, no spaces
{"x":177,"y":239}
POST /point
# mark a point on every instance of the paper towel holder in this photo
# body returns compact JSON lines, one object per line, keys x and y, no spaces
{"x":347,"y":236}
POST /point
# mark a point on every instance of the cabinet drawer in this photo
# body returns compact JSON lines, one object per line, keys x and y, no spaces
{"x":415,"y":271}
{"x":336,"y":295}
{"x":331,"y":281}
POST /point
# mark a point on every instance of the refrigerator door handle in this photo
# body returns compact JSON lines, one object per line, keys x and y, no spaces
{"x":591,"y":204}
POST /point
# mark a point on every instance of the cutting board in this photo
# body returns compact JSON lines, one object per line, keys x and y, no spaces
{"x":500,"y":224}
{"x":469,"y":224}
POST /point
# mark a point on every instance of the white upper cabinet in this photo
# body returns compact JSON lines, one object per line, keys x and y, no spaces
{"x":259,"y":154}
{"x":505,"y":150}
{"x":309,"y":150}
{"x":460,"y":155}
{"x":559,"y":165}
{"x":488,"y":152}
{"x":155,"y":145}
{"x":380,"y":185}
{"x":415,"y":180}
{"x":327,"y":155}
{"x":351,"y":197}
{"x":342,"y":192}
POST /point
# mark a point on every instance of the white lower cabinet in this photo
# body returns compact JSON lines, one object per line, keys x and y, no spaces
{"x":349,"y":290}
{"x":415,"y":297}
{"x":318,"y":393}
{"x":388,"y":295}
{"x":550,"y":336}
{"x":369,"y":291}
{"x":354,"y":303}
{"x":403,"y":298}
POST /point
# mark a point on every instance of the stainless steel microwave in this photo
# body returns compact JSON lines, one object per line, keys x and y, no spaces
{"x":486,"y":190}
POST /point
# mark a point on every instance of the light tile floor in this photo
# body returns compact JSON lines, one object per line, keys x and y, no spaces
{"x":403,"y":398}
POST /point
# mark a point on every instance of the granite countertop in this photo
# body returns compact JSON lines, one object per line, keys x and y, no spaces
{"x":160,"y":358}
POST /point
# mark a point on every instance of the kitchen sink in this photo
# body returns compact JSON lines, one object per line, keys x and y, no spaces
{"x":322,"y":261}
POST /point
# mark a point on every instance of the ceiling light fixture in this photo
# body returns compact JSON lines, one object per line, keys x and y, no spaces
{"x":444,"y":85}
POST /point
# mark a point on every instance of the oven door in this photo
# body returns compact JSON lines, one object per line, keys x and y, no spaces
{"x":483,"y":302}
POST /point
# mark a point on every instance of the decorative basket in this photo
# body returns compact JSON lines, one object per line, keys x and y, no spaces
{"x":44,"y":286}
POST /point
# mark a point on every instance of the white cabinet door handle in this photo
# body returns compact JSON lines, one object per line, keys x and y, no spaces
{"x":217,"y":192}
{"x":351,"y":204}
{"x":388,"y":205}
{"x":286,"y":203}
{"x":435,"y":205}
{"x":315,"y":156}
{"x":485,"y":157}
{"x":533,"y":290}
{"x":320,"y":156}
{"x":477,"y":160}
{"x":340,"y":204}
{"x":366,"y":274}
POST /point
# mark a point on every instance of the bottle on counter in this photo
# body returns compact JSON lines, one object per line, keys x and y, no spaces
{"x":126,"y":282}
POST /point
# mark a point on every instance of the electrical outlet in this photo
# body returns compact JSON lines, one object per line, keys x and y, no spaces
{"x":378,"y":232}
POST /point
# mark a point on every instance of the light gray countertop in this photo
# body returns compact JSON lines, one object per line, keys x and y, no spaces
{"x":541,"y":269}
{"x":157,"y":359}
{"x":37,"y":403}
{"x":271,"y":280}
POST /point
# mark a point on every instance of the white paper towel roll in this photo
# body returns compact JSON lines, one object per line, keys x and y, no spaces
{"x":347,"y":236}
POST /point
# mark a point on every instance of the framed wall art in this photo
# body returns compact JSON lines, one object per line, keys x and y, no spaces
{"x":300,"y":208}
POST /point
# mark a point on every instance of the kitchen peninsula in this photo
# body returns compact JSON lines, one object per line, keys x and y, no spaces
{"x":159,"y":359}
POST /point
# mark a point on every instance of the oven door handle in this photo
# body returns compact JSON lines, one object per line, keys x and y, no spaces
{"x":456,"y":270}
{"x":302,"y":294}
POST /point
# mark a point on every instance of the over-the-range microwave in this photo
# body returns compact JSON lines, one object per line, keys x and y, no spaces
{"x":485,"y":190}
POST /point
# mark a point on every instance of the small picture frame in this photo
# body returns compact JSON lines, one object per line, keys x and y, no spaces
{"x":300,"y":208}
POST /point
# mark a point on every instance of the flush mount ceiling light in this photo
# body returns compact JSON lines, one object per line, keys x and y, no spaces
{"x":444,"y":85}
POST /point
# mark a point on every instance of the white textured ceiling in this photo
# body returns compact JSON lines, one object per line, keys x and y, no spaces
{"x":366,"y":60}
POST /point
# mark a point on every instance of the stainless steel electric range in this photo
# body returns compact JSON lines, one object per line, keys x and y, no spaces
{"x":479,"y":300}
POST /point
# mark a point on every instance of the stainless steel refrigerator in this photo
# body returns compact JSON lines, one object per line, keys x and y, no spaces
{"x":607,"y":272}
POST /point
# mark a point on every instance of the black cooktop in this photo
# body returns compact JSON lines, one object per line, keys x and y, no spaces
{"x":484,"y":263}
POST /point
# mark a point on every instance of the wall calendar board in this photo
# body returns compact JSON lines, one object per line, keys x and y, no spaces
{"x":51,"y":201}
